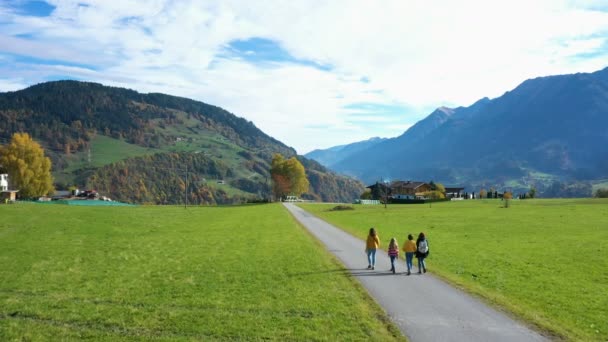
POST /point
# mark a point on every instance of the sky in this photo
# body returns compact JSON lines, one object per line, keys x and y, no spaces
{"x":313,"y":74}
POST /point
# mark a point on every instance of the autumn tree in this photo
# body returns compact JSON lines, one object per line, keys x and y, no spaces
{"x":507,"y":196}
{"x":280,"y":185}
{"x":433,"y":194}
{"x":28,"y":169}
{"x":288,"y":176}
{"x":440,"y":187}
{"x":437,"y":191}
{"x":482,"y":193}
{"x":367,"y":194}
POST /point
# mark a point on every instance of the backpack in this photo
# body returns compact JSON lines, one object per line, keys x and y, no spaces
{"x":423,"y":247}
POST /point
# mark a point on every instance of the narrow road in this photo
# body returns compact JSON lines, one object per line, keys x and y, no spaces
{"x":424,"y":307}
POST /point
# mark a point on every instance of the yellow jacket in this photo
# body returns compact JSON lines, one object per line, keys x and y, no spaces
{"x":409,"y":246}
{"x":372,"y":241}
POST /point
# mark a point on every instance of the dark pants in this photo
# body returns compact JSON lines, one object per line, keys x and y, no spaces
{"x":421,"y":264}
{"x":409,"y":256}
{"x":393,"y":258}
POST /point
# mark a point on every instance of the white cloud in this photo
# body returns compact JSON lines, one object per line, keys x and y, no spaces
{"x":415,"y":53}
{"x":11,"y":84}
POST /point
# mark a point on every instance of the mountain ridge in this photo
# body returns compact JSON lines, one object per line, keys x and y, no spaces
{"x":551,"y":127}
{"x":98,"y":137}
{"x":330,"y":156}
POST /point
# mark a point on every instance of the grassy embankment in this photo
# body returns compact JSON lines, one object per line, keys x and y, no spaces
{"x":167,"y":273}
{"x":544,"y":260}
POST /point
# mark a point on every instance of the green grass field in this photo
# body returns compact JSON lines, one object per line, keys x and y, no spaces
{"x":544,"y":260}
{"x":169,"y":273}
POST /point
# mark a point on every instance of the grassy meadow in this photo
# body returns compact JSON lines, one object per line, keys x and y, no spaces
{"x":544,"y":260}
{"x":169,"y":273}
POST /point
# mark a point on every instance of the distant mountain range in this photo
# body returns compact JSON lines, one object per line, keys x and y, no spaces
{"x":153,"y":148}
{"x":549,"y":132}
{"x":334,"y":155}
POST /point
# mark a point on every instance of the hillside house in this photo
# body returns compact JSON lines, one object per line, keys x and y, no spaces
{"x":3,"y":182}
{"x":6,"y":195}
{"x":400,"y":190}
{"x":454,"y":192}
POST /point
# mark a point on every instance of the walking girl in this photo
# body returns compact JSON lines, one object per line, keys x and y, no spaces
{"x":393,"y":253}
{"x":422,"y":251}
{"x":371,"y":245}
{"x":409,"y":247}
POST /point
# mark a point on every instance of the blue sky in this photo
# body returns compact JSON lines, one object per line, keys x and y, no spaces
{"x":313,"y":73}
{"x":32,"y":8}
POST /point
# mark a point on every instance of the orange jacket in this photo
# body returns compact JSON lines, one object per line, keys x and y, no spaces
{"x":372,"y":241}
{"x":409,"y":246}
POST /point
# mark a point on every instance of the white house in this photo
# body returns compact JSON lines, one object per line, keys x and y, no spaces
{"x":6,"y":195}
{"x":3,"y":182}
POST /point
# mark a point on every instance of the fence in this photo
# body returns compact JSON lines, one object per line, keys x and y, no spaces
{"x":88,"y":203}
{"x":368,"y":202}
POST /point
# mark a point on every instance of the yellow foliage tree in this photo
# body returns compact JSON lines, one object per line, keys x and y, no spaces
{"x":28,"y":169}
{"x":433,"y":194}
{"x":507,"y":196}
{"x":482,"y":193}
{"x":440,"y":188}
{"x":288,"y":176}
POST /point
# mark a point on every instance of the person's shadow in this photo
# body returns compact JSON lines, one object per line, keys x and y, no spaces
{"x":357,"y":272}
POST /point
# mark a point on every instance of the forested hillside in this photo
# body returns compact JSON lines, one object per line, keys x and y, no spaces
{"x":141,"y":147}
{"x":65,"y":114}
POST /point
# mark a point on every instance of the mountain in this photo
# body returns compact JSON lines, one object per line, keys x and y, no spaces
{"x":546,"y":130}
{"x":329,"y":157}
{"x":153,"y":148}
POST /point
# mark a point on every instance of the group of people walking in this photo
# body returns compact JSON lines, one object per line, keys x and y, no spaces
{"x":418,"y":248}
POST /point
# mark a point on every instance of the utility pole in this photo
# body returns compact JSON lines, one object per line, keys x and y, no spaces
{"x":186,"y":189}
{"x":383,"y":190}
{"x":385,"y":193}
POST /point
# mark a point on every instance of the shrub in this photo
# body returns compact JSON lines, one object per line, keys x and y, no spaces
{"x":342,"y":207}
{"x":367,"y":194}
{"x":601,"y":193}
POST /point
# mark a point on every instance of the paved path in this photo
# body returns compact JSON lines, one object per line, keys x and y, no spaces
{"x":424,"y":307}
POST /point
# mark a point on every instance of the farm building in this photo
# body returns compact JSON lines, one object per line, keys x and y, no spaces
{"x":399,"y":190}
{"x":5,"y":193}
{"x":396,"y":191}
{"x":3,"y":182}
{"x":453,"y":192}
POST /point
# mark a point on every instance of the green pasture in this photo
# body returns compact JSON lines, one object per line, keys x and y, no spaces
{"x":544,"y":260}
{"x":106,"y":150}
{"x":170,"y":273}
